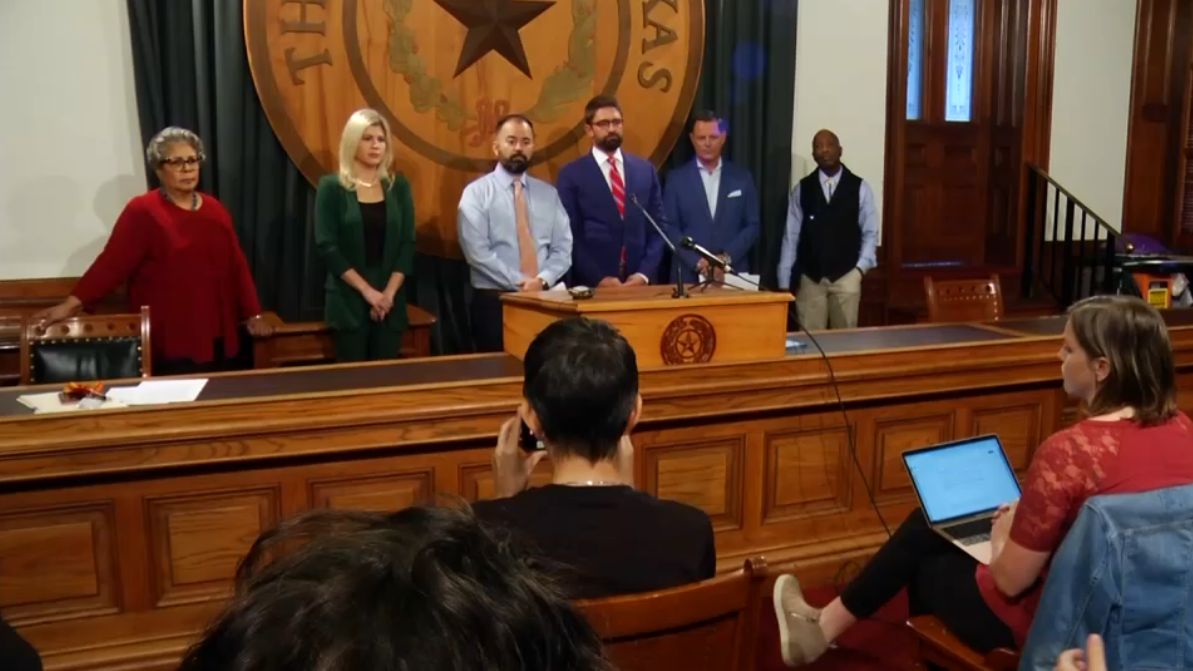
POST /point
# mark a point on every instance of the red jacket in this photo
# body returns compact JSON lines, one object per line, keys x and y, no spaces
{"x":186,"y":266}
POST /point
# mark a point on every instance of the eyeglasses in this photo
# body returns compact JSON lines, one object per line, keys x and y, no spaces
{"x":606,"y":124}
{"x":179,"y":161}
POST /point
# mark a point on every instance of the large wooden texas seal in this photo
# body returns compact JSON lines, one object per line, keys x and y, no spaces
{"x":444,"y":71}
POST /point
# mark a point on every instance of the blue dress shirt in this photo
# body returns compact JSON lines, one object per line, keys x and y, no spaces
{"x":489,"y":231}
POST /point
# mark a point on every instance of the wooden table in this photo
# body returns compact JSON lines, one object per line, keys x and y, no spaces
{"x":120,"y":530}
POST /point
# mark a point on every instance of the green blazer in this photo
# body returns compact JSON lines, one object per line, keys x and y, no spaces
{"x":339,"y":237}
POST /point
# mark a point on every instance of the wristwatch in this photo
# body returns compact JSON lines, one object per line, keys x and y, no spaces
{"x":543,"y":282}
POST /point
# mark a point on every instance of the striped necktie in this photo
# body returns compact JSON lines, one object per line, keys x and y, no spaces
{"x":618,"y":186}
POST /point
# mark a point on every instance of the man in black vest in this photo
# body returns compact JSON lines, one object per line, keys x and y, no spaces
{"x":830,"y":241}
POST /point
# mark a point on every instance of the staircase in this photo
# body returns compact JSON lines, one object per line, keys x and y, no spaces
{"x":1070,"y":252}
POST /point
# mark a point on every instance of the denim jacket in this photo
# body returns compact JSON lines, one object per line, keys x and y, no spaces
{"x":1125,"y":571}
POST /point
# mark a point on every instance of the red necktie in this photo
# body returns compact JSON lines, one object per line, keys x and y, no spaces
{"x":618,"y":187}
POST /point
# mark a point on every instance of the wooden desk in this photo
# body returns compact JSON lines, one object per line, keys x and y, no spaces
{"x":120,"y":530}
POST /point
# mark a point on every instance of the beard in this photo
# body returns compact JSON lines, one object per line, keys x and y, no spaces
{"x":610,"y":143}
{"x":516,"y":164}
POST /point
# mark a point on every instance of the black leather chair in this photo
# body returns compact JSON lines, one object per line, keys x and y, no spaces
{"x":88,"y":347}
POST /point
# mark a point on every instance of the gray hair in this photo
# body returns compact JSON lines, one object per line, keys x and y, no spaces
{"x":155,"y":152}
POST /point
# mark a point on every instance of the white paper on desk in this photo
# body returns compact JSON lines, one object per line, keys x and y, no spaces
{"x":795,"y":343}
{"x":559,"y":286}
{"x":153,"y":392}
{"x":743,"y":282}
{"x":50,"y":402}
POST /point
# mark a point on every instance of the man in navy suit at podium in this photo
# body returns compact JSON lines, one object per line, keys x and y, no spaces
{"x":712,"y":201}
{"x":612,"y":242}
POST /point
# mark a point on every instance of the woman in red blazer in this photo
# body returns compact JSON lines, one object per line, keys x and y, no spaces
{"x":178,"y":252}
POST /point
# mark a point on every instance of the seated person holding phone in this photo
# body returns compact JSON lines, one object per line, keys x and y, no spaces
{"x":580,"y":390}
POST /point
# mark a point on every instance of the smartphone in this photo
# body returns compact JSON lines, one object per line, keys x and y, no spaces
{"x":528,"y":441}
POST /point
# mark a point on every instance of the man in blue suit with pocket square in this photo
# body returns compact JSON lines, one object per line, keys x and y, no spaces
{"x":713,"y":201}
{"x":612,"y":242}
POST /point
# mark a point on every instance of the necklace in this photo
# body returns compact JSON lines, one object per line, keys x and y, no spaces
{"x":194,"y":199}
{"x":592,"y":483}
{"x":367,"y":185}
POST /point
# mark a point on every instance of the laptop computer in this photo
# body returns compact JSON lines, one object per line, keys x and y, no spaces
{"x":960,"y":485}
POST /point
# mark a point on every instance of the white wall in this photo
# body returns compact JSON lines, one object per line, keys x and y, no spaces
{"x":840,"y":84}
{"x":70,"y":154}
{"x":1091,"y":101}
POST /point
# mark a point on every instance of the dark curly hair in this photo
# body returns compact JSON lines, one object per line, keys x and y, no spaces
{"x":423,"y":588}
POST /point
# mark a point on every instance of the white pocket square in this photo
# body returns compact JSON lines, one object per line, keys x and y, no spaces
{"x":734,"y":194}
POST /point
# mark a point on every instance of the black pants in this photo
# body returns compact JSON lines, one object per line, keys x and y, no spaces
{"x":486,"y":318}
{"x":940,"y":580}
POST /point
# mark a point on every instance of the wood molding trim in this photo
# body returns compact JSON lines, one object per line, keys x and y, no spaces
{"x":1155,"y":142}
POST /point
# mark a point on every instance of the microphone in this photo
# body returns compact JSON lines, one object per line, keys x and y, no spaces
{"x":680,"y":291}
{"x":713,"y":260}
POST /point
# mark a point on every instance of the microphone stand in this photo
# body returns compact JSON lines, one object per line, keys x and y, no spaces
{"x":715,"y":262}
{"x":680,"y":291}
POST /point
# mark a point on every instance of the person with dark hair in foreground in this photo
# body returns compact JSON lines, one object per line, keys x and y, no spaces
{"x":1117,"y":360}
{"x":423,"y":588}
{"x":580,"y":390}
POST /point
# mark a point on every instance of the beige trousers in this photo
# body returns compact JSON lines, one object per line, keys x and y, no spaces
{"x":827,"y":304}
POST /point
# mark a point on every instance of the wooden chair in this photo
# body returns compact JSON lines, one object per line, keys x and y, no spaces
{"x":710,"y":625}
{"x":966,"y":300}
{"x":939,"y":647}
{"x":87,"y":347}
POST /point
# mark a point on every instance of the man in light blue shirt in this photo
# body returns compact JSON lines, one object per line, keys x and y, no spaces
{"x":513,"y":229}
{"x":831,"y":239}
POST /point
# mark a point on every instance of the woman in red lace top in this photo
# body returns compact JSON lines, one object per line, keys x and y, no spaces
{"x":178,"y":253}
{"x":1117,"y":360}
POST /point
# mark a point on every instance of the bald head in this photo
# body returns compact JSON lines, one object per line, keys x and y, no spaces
{"x":826,"y":150}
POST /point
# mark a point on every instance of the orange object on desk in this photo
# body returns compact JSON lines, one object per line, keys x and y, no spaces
{"x":1155,"y":289}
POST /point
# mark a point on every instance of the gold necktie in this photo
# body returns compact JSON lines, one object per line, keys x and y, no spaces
{"x":527,"y":254}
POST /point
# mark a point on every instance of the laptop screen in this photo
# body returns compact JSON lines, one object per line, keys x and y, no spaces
{"x":962,"y":478}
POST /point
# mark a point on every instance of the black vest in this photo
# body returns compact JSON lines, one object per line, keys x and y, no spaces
{"x":830,"y":239}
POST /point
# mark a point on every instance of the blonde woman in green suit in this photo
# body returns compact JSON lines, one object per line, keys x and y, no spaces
{"x":364,"y":230}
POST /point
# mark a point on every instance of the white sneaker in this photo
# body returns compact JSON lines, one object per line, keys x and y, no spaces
{"x":800,"y":637}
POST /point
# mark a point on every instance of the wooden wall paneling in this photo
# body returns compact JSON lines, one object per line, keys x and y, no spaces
{"x":806,"y":469}
{"x":897,"y":430}
{"x":1183,"y":198}
{"x":375,"y":493}
{"x":58,"y":562}
{"x":702,"y":466}
{"x":1018,"y":420}
{"x":198,"y":539}
{"x":1159,"y":77}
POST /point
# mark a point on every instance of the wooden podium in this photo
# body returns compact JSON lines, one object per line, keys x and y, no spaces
{"x":718,"y":324}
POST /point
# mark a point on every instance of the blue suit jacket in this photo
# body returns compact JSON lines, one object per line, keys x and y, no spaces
{"x":735,"y":228}
{"x":598,"y":232}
